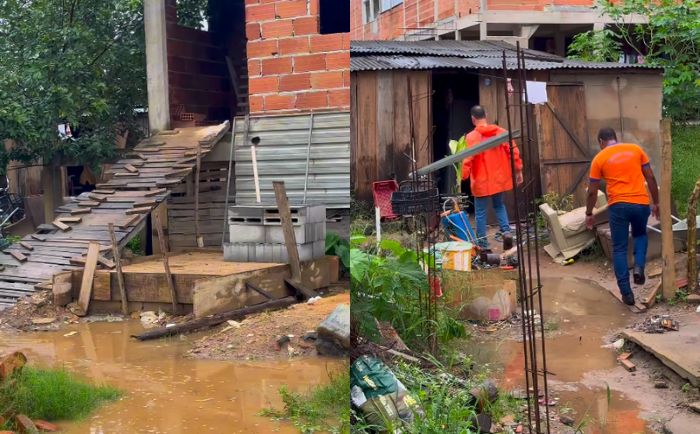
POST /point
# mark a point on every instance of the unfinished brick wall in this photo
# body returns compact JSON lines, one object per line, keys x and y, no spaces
{"x":197,"y":72}
{"x":414,"y":14}
{"x":291,"y":66}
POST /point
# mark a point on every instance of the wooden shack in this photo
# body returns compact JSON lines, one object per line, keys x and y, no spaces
{"x":444,"y":79}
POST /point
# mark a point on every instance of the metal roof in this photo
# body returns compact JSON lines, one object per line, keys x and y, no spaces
{"x":416,"y":55}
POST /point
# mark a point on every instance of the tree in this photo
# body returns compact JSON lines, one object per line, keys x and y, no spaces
{"x":192,"y":13}
{"x":670,"y":40}
{"x":69,"y":61}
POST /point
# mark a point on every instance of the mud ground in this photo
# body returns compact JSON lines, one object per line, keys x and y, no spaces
{"x":257,"y":336}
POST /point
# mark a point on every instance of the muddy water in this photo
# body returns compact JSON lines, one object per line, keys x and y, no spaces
{"x":579,"y":313}
{"x":166,"y":393}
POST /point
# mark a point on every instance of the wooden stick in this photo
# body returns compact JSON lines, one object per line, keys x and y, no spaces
{"x":38,"y":237}
{"x":70,"y":219}
{"x":80,"y":211}
{"x":198,"y":238}
{"x":166,"y":265}
{"x":217,"y":319}
{"x":17,"y":255}
{"x":140,"y":210}
{"x":26,"y":245}
{"x":256,"y":179}
{"x":692,"y":239}
{"x":155,"y":192}
{"x":88,"y":276}
{"x":118,"y":264}
{"x":290,"y":239}
{"x":131,"y":168}
{"x":669,"y":273}
{"x":62,"y":226}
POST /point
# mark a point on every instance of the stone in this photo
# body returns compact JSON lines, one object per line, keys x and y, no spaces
{"x":62,"y":293}
{"x":567,"y":420}
{"x":46,"y":426}
{"x":336,"y":327}
{"x":11,"y":363}
{"x":282,"y":341}
{"x":482,"y":422}
{"x":25,"y":425}
{"x":310,"y":336}
{"x":329,"y":348}
{"x":695,"y":406}
{"x":485,"y":393}
{"x":618,"y":344}
{"x":43,"y":321}
{"x":682,"y":423}
{"x":660,"y":384}
{"x":693,"y":298}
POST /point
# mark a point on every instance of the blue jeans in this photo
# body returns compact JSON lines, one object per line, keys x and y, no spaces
{"x":622,"y":215}
{"x":480,"y":209}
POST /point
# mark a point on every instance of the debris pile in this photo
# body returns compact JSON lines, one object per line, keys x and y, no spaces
{"x":657,"y":324}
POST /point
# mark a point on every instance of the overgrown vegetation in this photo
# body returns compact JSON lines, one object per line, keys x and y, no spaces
{"x":340,"y":247}
{"x":686,"y":164}
{"x":669,"y":40}
{"x":52,"y":395}
{"x":385,"y":284}
{"x":323,"y":409}
{"x":136,"y":245}
{"x":81,"y":63}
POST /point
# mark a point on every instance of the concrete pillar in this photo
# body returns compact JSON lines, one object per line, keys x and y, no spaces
{"x":560,"y":43}
{"x":156,"y":65}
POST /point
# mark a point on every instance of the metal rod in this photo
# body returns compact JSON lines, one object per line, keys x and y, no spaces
{"x":308,"y":155}
{"x":228,"y":181}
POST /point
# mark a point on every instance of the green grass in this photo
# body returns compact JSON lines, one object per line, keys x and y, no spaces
{"x":52,"y":395}
{"x":322,"y":409}
{"x":686,"y":164}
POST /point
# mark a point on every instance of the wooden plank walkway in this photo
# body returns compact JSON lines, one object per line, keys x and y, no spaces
{"x":139,"y":183}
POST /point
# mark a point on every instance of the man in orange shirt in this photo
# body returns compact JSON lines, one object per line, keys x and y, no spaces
{"x":490,"y":173}
{"x":624,"y":167}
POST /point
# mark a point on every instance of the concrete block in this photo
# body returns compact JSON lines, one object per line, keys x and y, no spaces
{"x":300,"y":215}
{"x":245,"y":215}
{"x":306,"y":233}
{"x":319,"y":249}
{"x":242,"y":233}
{"x":336,"y":327}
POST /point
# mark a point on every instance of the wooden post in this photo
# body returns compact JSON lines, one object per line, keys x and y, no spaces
{"x":290,"y":238}
{"x":198,"y":236}
{"x":668,"y":278}
{"x":692,"y":239}
{"x":166,"y":265}
{"x":88,"y":276}
{"x":118,"y":265}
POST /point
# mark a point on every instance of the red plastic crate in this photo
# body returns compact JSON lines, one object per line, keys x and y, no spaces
{"x":381,"y":191}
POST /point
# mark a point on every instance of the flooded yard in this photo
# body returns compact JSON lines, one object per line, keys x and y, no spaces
{"x":165,"y":392}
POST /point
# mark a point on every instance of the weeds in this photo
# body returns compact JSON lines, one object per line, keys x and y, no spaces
{"x":340,"y":247}
{"x":53,"y":395}
{"x":681,"y":296}
{"x":686,"y":165}
{"x":136,"y":245}
{"x":323,"y":409}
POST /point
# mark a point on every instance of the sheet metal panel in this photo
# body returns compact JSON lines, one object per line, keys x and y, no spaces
{"x":281,"y":155}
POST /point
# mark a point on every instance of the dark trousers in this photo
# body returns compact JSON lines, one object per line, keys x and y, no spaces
{"x":622,"y":216}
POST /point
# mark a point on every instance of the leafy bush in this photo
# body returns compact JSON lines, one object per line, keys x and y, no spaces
{"x":386,"y":286}
{"x":340,"y":247}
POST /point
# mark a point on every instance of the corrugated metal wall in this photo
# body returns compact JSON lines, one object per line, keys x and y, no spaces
{"x":281,"y":155}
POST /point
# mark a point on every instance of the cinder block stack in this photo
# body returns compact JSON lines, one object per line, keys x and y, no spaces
{"x":255,"y":233}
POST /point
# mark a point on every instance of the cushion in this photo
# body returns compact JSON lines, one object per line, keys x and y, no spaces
{"x":573,"y":222}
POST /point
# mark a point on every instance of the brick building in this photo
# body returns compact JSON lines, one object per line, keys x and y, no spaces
{"x":546,"y":25}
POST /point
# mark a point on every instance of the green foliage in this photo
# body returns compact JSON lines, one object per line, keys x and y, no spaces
{"x":323,"y":409}
{"x":192,"y":13}
{"x":71,"y":61}
{"x":340,"y":247}
{"x":386,"y":286}
{"x":669,"y":40}
{"x":457,"y":146}
{"x":53,"y":395}
{"x":595,"y":46}
{"x":686,"y":164}
{"x":136,"y":245}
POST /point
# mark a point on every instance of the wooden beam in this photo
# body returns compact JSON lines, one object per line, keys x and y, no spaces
{"x":38,"y":237}
{"x":140,"y":210}
{"x":118,"y":264}
{"x":26,"y":245}
{"x":668,"y":268}
{"x":17,"y":255}
{"x":97,"y":197}
{"x":62,"y":226}
{"x":198,"y":237}
{"x":80,"y":211}
{"x":131,"y":168}
{"x":88,"y":203}
{"x":155,"y":192}
{"x":166,"y":265}
{"x":70,"y":219}
{"x":104,"y":191}
{"x":290,"y":239}
{"x":88,"y":276}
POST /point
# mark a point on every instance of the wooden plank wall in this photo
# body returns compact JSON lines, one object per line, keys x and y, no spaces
{"x":381,"y":127}
{"x":212,"y":199}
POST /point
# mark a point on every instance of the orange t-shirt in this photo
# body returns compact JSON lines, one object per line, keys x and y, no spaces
{"x":620,"y":165}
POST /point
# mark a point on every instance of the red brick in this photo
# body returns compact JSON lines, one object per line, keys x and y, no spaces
{"x":313,"y":7}
{"x":327,"y":80}
{"x":346,"y":78}
{"x":312,"y":62}
{"x":294,"y":45}
{"x":338,"y":60}
{"x":251,"y":2}
{"x":306,"y":26}
{"x":277,"y":29}
{"x":311,"y":100}
{"x":279,"y":102}
{"x":339,"y":98}
{"x":262,"y":48}
{"x":255,"y":103}
{"x":346,"y":41}
{"x":46,"y":426}
{"x":259,"y":13}
{"x":254,"y":68}
{"x":326,"y":43}
{"x":295,"y":82}
{"x":291,"y":8}
{"x":263,"y":85}
{"x":252,"y":31}
{"x":280,"y":65}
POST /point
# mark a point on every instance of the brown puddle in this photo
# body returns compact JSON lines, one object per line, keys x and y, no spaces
{"x":165,"y":393}
{"x":581,"y":314}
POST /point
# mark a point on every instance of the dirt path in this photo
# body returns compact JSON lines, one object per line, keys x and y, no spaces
{"x":255,"y":338}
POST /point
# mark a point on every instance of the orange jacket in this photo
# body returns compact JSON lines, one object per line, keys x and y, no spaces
{"x":490,"y":170}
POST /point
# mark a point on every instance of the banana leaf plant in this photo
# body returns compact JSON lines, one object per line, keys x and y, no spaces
{"x":455,"y":147}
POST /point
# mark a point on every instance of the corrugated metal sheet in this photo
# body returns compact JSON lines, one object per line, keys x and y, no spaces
{"x":417,"y":55}
{"x":281,"y":155}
